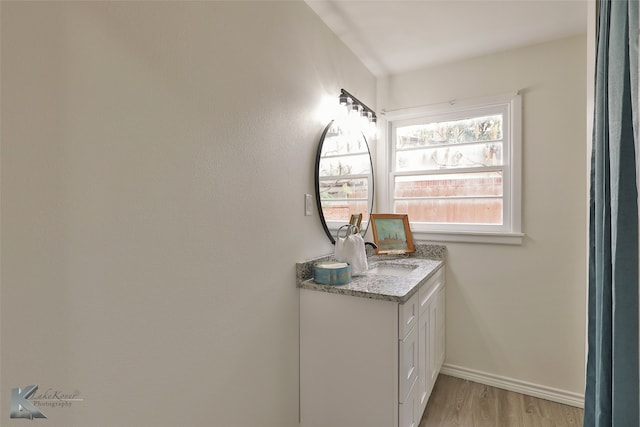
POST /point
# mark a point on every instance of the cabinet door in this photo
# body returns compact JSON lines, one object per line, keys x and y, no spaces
{"x":432,"y":349}
{"x":423,"y":355}
{"x":440,"y":327}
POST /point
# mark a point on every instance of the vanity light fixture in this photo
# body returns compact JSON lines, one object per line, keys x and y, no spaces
{"x":358,"y":112}
{"x":354,"y":105}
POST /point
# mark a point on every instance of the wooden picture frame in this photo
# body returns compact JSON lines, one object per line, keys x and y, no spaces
{"x":356,"y":219}
{"x":391,"y":233}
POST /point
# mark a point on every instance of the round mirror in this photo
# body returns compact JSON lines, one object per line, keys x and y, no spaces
{"x":344,"y":179}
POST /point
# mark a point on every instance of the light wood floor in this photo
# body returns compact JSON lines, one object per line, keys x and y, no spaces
{"x":462,"y":403}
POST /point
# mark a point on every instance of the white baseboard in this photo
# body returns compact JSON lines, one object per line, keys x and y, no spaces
{"x":535,"y":390}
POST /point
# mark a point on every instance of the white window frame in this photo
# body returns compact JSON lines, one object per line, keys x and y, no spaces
{"x":510,"y":105}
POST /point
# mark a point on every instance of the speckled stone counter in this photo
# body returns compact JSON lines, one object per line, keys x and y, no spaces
{"x":390,"y":287}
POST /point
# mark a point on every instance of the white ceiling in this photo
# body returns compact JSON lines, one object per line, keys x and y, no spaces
{"x":394,"y":36}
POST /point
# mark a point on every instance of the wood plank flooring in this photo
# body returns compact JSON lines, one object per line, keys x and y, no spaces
{"x":460,"y":403}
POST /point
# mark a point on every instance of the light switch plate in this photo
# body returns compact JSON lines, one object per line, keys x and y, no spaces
{"x":308,"y":205}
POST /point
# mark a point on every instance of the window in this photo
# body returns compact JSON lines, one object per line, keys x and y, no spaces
{"x":455,"y":169}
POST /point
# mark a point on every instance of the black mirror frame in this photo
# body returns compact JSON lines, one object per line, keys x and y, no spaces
{"x":317,"y":183}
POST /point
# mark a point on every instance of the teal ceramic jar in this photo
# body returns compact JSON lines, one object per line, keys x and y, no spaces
{"x":332,"y":273}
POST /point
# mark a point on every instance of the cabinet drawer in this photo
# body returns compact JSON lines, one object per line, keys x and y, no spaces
{"x":407,"y":316}
{"x":409,"y":411}
{"x":430,"y":288}
{"x":408,"y":363}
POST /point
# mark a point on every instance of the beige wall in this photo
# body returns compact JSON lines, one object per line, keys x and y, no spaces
{"x":519,"y":311}
{"x":148,"y":249}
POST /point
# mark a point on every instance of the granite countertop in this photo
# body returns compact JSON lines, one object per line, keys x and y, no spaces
{"x":389,"y":287}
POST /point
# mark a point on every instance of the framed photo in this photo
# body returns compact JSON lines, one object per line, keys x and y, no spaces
{"x":391,"y":233}
{"x":356,"y":220}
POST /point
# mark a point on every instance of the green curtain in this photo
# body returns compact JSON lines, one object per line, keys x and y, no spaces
{"x":611,"y":396}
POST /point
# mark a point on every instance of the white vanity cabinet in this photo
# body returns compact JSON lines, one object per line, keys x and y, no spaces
{"x":369,"y":362}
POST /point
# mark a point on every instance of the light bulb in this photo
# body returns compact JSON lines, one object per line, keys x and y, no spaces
{"x":373,"y":128}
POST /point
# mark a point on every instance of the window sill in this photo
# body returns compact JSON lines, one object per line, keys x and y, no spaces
{"x":469,"y":237}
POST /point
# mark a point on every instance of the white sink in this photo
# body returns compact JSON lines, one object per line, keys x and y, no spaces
{"x":390,"y":269}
